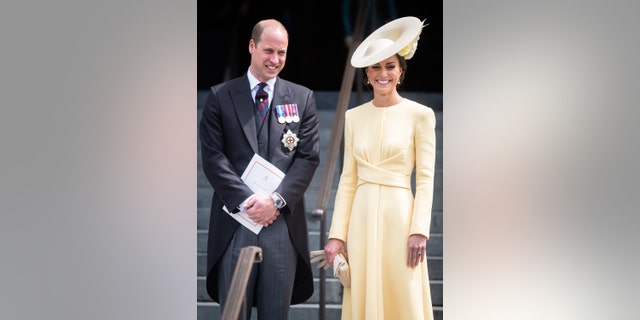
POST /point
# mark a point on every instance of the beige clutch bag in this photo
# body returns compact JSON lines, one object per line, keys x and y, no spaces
{"x":340,"y":266}
{"x":341,"y":270}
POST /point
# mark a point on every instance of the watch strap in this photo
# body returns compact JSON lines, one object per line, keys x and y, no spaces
{"x":278,"y":200}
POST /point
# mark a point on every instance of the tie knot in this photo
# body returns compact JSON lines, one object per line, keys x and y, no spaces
{"x":261,"y":94}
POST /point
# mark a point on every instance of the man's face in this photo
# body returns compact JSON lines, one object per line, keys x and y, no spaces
{"x":269,"y":55}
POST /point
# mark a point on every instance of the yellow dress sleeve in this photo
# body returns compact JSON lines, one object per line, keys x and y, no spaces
{"x":425,"y":144}
{"x":346,"y":188}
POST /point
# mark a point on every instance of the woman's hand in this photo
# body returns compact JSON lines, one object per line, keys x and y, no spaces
{"x":332,"y":248}
{"x":417,"y":250}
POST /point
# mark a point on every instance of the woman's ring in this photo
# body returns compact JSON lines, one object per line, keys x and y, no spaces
{"x":419,"y":254}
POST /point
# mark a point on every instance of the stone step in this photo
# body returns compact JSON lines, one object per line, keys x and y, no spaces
{"x":434,"y":264}
{"x":333,"y":292}
{"x":211,"y":311}
{"x":434,"y":245}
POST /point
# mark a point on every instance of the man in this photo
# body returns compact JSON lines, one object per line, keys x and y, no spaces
{"x":231,"y":132}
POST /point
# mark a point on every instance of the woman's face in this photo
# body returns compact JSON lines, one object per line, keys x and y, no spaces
{"x":384,"y":76}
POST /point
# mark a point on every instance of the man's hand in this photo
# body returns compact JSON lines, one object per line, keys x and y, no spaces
{"x":262,"y":210}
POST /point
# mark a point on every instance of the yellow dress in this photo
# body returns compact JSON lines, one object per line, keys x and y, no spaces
{"x":375,"y":210}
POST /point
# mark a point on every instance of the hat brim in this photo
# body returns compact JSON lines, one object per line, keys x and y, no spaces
{"x":401,"y":32}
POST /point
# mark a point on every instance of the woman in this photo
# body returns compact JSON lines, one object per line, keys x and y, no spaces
{"x":376,"y":214}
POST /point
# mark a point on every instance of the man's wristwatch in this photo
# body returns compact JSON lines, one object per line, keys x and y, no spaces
{"x":277,"y":200}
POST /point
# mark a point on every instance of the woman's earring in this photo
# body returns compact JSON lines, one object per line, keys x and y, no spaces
{"x":368,"y":81}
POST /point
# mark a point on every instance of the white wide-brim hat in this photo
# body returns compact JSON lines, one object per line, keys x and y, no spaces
{"x":401,"y":34}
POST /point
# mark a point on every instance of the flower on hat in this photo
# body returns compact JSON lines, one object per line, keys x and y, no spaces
{"x":409,"y":50}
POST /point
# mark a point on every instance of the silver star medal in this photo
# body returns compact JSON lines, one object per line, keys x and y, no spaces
{"x":290,"y":140}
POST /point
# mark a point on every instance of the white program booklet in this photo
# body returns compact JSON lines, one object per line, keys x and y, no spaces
{"x":263,"y":178}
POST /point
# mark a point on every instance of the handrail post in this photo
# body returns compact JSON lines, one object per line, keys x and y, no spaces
{"x":319,"y":214}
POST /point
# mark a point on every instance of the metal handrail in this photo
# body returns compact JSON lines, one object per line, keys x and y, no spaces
{"x":236,"y":296}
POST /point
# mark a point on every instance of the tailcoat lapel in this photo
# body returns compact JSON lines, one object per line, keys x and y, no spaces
{"x":244,"y":109}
